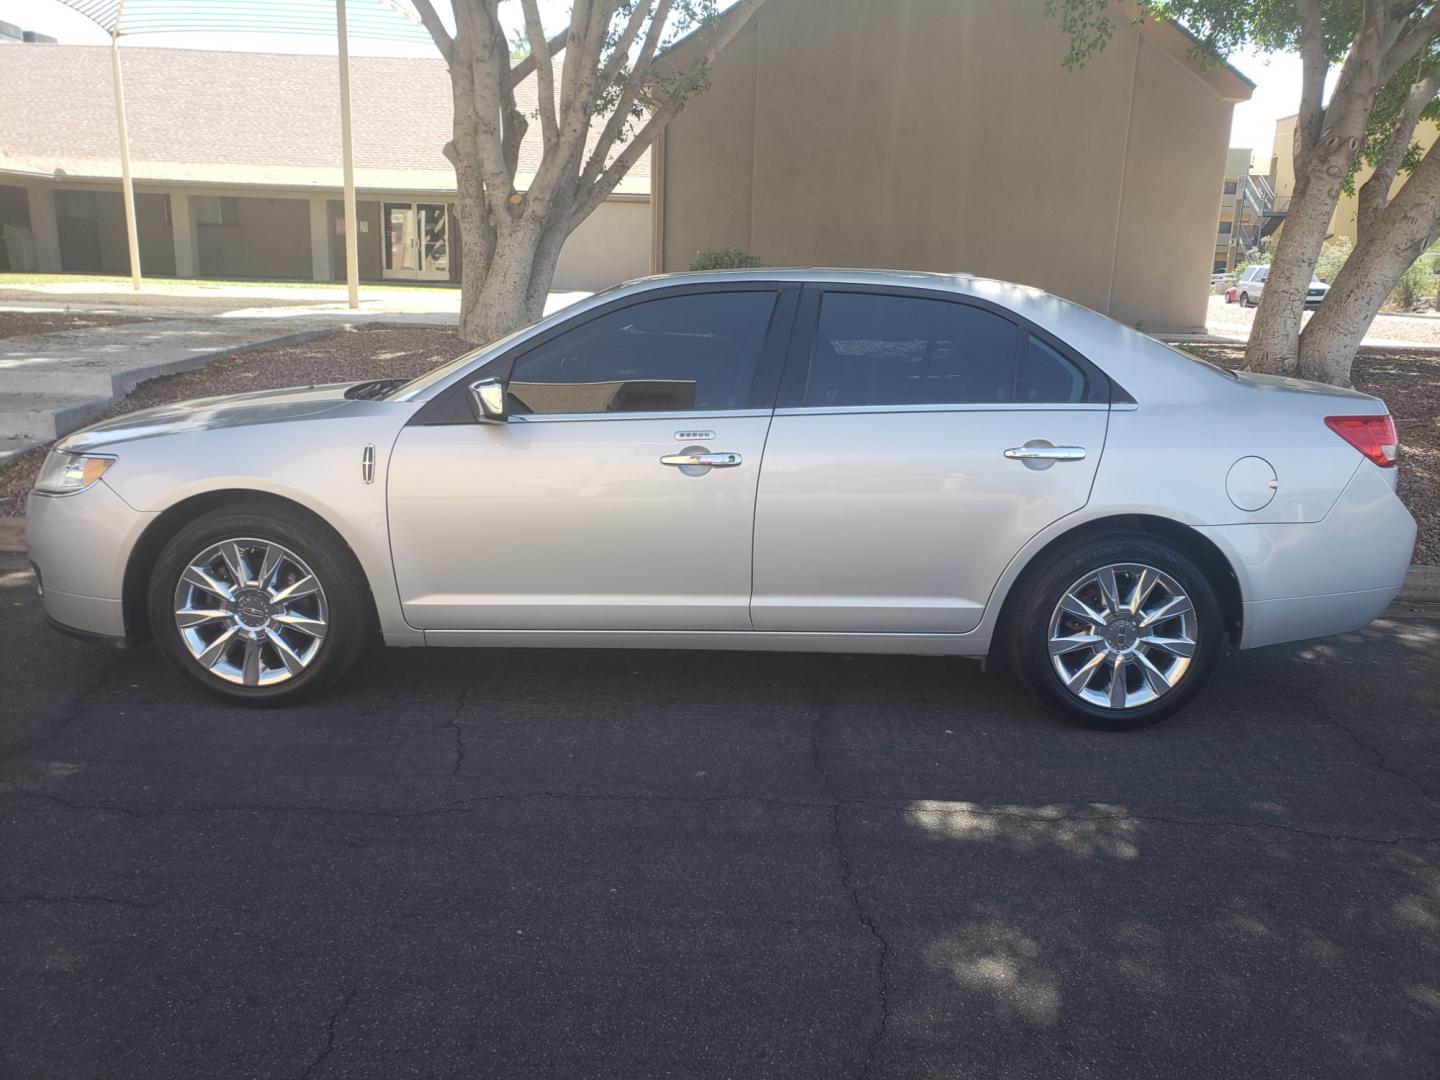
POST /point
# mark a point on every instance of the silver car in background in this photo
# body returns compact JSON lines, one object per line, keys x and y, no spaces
{"x":1251,"y":286}
{"x":803,"y":460}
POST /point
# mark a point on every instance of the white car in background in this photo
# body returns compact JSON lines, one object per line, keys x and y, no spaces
{"x":1251,"y":286}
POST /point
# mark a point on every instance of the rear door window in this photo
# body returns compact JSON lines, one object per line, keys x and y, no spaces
{"x":874,"y":349}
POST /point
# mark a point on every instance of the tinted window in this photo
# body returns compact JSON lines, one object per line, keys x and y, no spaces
{"x":672,"y":354}
{"x":1046,"y":376}
{"x":896,"y":350}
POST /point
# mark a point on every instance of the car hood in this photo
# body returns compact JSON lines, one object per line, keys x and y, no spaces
{"x":235,"y":410}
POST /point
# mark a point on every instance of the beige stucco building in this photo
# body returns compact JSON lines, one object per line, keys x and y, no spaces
{"x":236,"y":159}
{"x":1342,"y":222}
{"x":947,"y":135}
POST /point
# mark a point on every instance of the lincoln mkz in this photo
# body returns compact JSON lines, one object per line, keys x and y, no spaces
{"x":800,"y":460}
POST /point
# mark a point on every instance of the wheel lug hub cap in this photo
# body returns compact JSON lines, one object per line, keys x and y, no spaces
{"x":1122,"y":633}
{"x":252,"y":608}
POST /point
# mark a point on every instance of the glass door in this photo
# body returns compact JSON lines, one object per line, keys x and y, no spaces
{"x":417,"y":241}
{"x":402,"y":251}
{"x":434,"y":242}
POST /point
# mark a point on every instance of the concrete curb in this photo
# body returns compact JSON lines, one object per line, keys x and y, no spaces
{"x":12,"y":536}
{"x":1422,"y":585}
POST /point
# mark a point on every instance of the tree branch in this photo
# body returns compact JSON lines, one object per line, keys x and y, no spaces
{"x":443,"y":41}
{"x":691,"y":54}
{"x":639,"y":76}
{"x":1414,"y":41}
{"x":627,"y":38}
{"x":544,"y":72}
{"x":1315,"y":65}
{"x":521,"y":71}
{"x":1375,"y":192}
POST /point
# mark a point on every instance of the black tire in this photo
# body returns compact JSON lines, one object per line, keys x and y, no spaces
{"x":1244,"y":300}
{"x":349,"y":615}
{"x":1041,"y":592}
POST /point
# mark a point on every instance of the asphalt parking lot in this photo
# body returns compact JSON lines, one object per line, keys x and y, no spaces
{"x":506,"y":864}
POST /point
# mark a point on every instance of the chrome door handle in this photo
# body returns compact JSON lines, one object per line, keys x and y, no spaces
{"x":702,"y":461}
{"x":1046,"y":453}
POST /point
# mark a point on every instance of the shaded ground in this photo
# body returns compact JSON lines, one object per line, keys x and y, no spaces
{"x":24,"y":323}
{"x":375,"y":351}
{"x":1409,"y":383}
{"x":531,"y":863}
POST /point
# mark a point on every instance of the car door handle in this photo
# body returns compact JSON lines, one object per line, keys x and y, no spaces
{"x":702,"y":461}
{"x":1046,"y":453}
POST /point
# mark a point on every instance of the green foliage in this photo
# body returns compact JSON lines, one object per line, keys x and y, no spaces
{"x":1415,"y":284}
{"x":726,"y":259}
{"x":1332,"y":257}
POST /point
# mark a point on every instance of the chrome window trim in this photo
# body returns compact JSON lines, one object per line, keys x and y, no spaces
{"x":968,"y":407}
{"x":673,"y":414}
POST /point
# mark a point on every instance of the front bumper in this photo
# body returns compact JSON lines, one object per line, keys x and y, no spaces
{"x":1326,"y":577}
{"x":79,"y":545}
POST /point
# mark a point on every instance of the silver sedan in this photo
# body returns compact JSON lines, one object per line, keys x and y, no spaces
{"x":841,"y":461}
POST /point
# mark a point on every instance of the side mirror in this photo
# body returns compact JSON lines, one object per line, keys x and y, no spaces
{"x":487,"y":401}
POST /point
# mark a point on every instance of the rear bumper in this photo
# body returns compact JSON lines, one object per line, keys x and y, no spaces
{"x":79,"y":545}
{"x":1326,"y":577}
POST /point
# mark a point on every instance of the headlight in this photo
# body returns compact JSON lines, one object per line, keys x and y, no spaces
{"x":64,"y":473}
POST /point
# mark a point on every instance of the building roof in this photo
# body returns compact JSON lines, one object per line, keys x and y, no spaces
{"x":239,"y":119}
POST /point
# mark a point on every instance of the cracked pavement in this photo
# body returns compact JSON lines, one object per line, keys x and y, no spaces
{"x":557,"y":863}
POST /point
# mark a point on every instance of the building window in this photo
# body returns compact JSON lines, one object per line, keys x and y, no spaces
{"x":1230,"y":186}
{"x":1220,"y":267}
{"x":1224,"y":228}
{"x":215,"y":209}
{"x":75,"y":204}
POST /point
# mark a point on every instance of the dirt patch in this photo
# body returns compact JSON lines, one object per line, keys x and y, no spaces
{"x":14,"y":324}
{"x":372,"y":352}
{"x":1409,"y":382}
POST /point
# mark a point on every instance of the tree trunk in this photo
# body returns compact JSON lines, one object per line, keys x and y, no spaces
{"x":1274,"y":344}
{"x":1392,"y":243}
{"x":503,"y":302}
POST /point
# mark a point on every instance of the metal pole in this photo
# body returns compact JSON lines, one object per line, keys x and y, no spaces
{"x":129,"y":189}
{"x":352,"y":253}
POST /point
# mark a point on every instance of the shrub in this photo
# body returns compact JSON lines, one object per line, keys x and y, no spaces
{"x":726,"y":259}
{"x":1413,"y":284}
{"x":1332,"y":257}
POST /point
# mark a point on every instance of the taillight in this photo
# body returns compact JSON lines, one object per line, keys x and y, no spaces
{"x":1373,"y":436}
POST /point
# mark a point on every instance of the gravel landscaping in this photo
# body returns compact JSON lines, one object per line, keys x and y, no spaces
{"x":1408,"y":380}
{"x":370,"y":352}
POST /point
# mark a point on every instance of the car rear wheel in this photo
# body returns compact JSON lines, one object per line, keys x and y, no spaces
{"x":1117,"y":633}
{"x":258,"y":605}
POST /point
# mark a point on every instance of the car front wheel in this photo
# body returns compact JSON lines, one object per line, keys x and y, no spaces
{"x":1117,"y":633}
{"x":258,"y":605}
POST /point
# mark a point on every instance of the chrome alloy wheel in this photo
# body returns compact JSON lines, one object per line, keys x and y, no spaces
{"x":251,"y":612}
{"x":1123,"y":636}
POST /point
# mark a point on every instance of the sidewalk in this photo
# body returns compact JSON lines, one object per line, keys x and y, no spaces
{"x":53,"y":383}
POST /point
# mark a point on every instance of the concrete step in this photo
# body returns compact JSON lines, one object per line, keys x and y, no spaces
{"x":46,"y":416}
{"x":63,"y":380}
